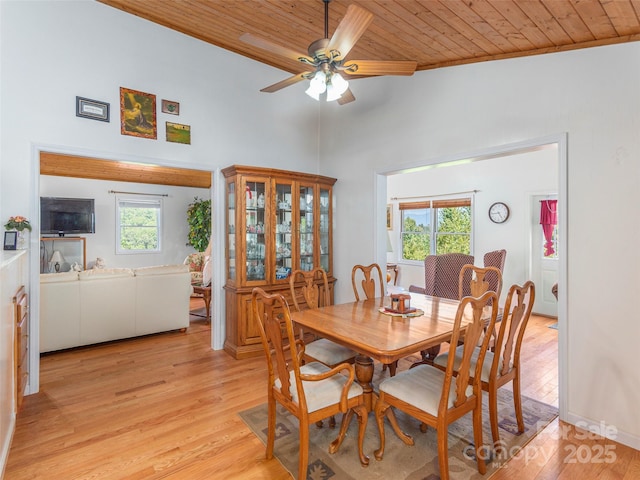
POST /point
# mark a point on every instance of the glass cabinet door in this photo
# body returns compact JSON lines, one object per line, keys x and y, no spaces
{"x":306,"y":226}
{"x":325,"y":229}
{"x":231,"y":231}
{"x":284,"y":218}
{"x":255,"y":208}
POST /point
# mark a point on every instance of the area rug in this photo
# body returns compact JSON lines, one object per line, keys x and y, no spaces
{"x":199,"y":312}
{"x":418,"y":462}
{"x":554,"y":326}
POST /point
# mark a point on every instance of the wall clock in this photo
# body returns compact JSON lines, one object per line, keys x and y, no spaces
{"x":499,"y":212}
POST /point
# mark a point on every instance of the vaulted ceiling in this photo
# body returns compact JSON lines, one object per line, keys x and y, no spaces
{"x":435,"y":33}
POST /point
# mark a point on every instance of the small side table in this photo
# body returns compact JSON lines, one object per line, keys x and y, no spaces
{"x":206,"y":294}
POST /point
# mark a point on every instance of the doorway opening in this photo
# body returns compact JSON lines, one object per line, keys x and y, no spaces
{"x":518,"y":267}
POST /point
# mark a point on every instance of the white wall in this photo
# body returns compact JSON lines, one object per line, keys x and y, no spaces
{"x":511,"y":179}
{"x":53,"y":51}
{"x":103,"y":243}
{"x":590,"y":94}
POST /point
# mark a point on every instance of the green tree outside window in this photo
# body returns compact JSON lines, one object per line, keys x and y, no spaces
{"x":139,"y":225}
{"x":435,"y":230}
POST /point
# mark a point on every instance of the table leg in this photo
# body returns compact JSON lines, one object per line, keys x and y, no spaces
{"x":364,"y":375}
{"x":207,"y":303}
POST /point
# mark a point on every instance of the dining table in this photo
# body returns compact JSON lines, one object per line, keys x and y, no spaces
{"x":367,"y":327}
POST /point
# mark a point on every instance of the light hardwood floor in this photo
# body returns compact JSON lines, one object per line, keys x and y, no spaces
{"x":165,"y":406}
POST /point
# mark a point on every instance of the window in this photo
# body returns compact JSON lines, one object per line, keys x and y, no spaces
{"x":435,"y":227}
{"x":138,"y":224}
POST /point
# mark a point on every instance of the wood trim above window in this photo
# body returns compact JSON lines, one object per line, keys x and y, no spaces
{"x":414,"y":205}
{"x":451,"y":203}
{"x":445,"y":203}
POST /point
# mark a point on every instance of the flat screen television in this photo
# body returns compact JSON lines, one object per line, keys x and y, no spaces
{"x":66,"y":216}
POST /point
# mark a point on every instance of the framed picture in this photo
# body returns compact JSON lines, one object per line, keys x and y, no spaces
{"x":93,"y":109}
{"x":389,"y":217}
{"x":137,"y":113}
{"x":178,"y":133}
{"x":170,"y":107}
{"x":10,"y":240}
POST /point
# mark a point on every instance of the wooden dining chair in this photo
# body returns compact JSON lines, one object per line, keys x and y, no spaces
{"x":368,"y":282}
{"x":438,"y":398}
{"x":474,"y":281}
{"x":311,"y":391}
{"x":502,"y":365}
{"x":310,"y":294}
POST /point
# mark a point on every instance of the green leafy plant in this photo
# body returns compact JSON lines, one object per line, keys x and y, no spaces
{"x":18,"y":223}
{"x":199,"y":219}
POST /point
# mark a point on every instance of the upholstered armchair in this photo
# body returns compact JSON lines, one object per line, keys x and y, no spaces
{"x":196,"y":265}
{"x":441,"y":274}
{"x":197,"y":262}
{"x":495,"y":259}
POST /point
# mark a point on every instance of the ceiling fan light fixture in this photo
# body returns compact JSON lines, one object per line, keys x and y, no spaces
{"x":336,"y":87}
{"x":317,"y":85}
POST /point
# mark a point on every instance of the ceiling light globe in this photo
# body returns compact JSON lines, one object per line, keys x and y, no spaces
{"x":317,"y":85}
{"x":336,"y":86}
{"x":339,"y":83}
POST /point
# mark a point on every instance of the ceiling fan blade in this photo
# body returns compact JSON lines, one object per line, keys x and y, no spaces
{"x":265,"y":44}
{"x":350,"y":29}
{"x":284,"y":83}
{"x":380,"y":67}
{"x":346,"y":97}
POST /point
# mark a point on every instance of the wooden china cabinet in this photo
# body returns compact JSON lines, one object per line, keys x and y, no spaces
{"x":277,"y":221}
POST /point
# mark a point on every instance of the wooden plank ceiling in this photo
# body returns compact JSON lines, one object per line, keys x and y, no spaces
{"x":97,"y":169}
{"x":435,"y":33}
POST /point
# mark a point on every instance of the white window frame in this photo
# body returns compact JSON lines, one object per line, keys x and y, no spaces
{"x":433,"y":233}
{"x":136,"y":200}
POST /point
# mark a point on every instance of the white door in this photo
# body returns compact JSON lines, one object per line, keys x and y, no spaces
{"x":544,"y":271}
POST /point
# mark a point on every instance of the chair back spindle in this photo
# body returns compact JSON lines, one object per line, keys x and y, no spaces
{"x":477,"y":280}
{"x":314,"y":295}
{"x":475,"y":307}
{"x":517,"y":311}
{"x":368,"y":282}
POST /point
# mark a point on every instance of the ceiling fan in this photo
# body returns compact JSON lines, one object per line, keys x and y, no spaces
{"x":327,"y":58}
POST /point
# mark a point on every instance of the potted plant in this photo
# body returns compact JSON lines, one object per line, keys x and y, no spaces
{"x":22,"y":226}
{"x":199,"y":219}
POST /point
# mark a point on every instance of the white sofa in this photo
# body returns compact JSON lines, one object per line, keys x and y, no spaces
{"x":100,"y":305}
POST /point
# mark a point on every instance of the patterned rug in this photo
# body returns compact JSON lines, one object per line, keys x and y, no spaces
{"x":418,"y":462}
{"x":198,"y":313}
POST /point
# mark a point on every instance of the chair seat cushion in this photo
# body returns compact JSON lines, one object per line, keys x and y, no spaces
{"x":422,"y":387}
{"x":322,"y":393}
{"x":328,"y":352}
{"x":486,"y":366}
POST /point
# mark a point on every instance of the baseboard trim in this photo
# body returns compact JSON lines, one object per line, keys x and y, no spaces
{"x":604,"y":430}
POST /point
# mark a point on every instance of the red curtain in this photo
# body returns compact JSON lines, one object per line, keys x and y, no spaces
{"x":548,"y":219}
